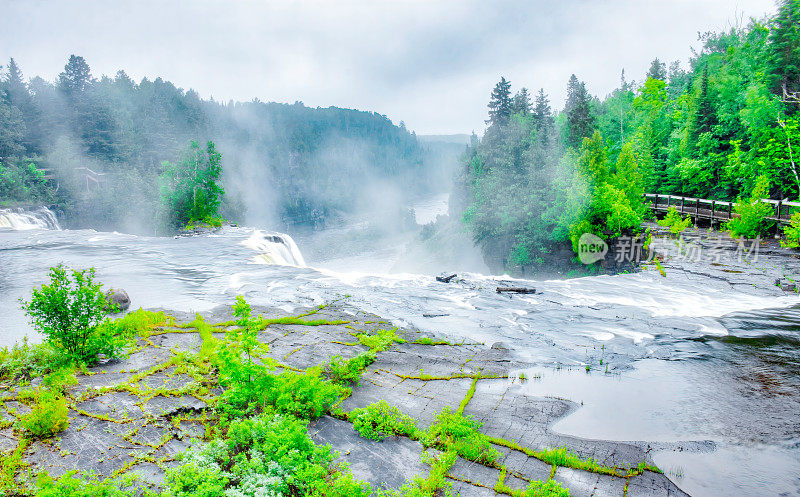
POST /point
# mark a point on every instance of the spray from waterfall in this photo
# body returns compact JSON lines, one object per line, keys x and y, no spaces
{"x":275,"y":248}
{"x":28,"y":219}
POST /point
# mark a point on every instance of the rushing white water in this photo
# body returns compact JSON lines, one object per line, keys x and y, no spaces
{"x":28,"y":219}
{"x":274,"y":248}
{"x":688,"y":359}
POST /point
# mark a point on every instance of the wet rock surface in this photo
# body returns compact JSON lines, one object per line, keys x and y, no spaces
{"x":136,"y":416}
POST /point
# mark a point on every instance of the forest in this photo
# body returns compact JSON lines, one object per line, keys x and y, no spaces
{"x":96,"y":148}
{"x":724,"y":129}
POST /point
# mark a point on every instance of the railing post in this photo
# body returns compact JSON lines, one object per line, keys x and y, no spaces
{"x":730,"y":210}
{"x":713,"y":202}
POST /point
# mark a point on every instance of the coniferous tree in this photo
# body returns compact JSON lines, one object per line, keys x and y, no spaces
{"x":784,"y":60}
{"x":705,"y":116}
{"x":542,"y":113}
{"x":500,"y":104}
{"x":580,"y":122}
{"x":521,"y":103}
{"x":658,"y":70}
{"x":76,"y":76}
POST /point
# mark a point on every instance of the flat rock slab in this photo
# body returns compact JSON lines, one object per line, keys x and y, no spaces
{"x":387,"y":464}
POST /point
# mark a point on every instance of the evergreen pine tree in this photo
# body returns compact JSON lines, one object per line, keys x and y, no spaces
{"x":580,"y":121}
{"x":784,"y":60}
{"x":542,"y":113}
{"x":658,"y":70}
{"x":522,"y":102}
{"x":500,"y":104}
{"x":76,"y":76}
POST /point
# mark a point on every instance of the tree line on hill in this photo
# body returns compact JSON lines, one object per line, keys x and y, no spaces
{"x":725,"y":127}
{"x":282,"y":164}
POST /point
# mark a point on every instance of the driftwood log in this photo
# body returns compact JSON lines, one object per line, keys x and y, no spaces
{"x":515,"y":289}
{"x":445,"y":279}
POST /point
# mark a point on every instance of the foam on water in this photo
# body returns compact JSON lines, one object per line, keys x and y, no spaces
{"x":274,"y":248}
{"x":28,"y":219}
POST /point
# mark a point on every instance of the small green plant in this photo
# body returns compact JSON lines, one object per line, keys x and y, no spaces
{"x":380,"y":340}
{"x":49,"y":415}
{"x":660,"y":268}
{"x":70,"y":486}
{"x":25,"y":361}
{"x":549,"y":488}
{"x":792,"y":232}
{"x":752,"y":220}
{"x":460,"y":433}
{"x":348,"y":372}
{"x":674,"y":222}
{"x":380,"y":420}
{"x":68,"y":312}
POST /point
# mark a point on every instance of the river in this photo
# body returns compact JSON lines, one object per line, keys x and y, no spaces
{"x":669,"y":360}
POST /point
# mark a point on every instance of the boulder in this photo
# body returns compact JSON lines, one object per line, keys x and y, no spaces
{"x":120,"y":297}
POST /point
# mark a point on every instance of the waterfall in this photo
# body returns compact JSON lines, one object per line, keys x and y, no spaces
{"x":275,"y":248}
{"x":28,"y":219}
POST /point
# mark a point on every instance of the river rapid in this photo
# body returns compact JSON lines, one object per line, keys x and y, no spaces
{"x":671,"y":361}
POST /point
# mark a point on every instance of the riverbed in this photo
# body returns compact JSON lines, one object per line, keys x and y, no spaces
{"x":706,"y":371}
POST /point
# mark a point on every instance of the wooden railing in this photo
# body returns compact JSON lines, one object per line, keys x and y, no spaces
{"x":717,"y":210}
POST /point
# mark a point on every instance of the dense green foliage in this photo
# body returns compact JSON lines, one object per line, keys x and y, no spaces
{"x":69,"y":312}
{"x":792,"y":232}
{"x":460,"y":433}
{"x":190,"y":188}
{"x":260,"y":456}
{"x":674,"y":222}
{"x":314,"y":163}
{"x":538,"y":179}
{"x":752,"y":212}
{"x":380,"y":420}
{"x":70,"y":486}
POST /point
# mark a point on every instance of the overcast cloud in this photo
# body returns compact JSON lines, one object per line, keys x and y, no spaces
{"x":429,"y":63}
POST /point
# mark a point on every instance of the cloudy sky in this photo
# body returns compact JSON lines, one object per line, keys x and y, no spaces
{"x":429,"y":63}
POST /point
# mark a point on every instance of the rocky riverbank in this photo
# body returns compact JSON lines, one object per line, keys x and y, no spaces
{"x":135,"y":416}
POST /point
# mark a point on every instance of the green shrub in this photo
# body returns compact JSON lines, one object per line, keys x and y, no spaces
{"x":348,"y":372}
{"x":752,"y":212}
{"x":792,"y":232}
{"x":549,"y":488}
{"x":69,"y":486}
{"x":25,"y":361}
{"x":380,"y":420}
{"x":675,"y":222}
{"x":48,"y":417}
{"x":341,"y":485}
{"x":303,"y":395}
{"x":460,"y":433}
{"x":270,"y":454}
{"x":68,"y":312}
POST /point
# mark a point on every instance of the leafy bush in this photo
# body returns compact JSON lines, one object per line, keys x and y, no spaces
{"x":347,"y":372}
{"x":792,"y":232}
{"x":69,"y":486}
{"x":303,"y":395}
{"x":461,"y":434}
{"x":380,"y":420}
{"x":549,"y":488}
{"x":674,"y":221}
{"x":68,"y":312}
{"x":266,"y":455}
{"x":752,"y":212}
{"x":49,"y":415}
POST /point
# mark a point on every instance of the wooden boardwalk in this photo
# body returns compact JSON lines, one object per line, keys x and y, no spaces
{"x":717,"y":210}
